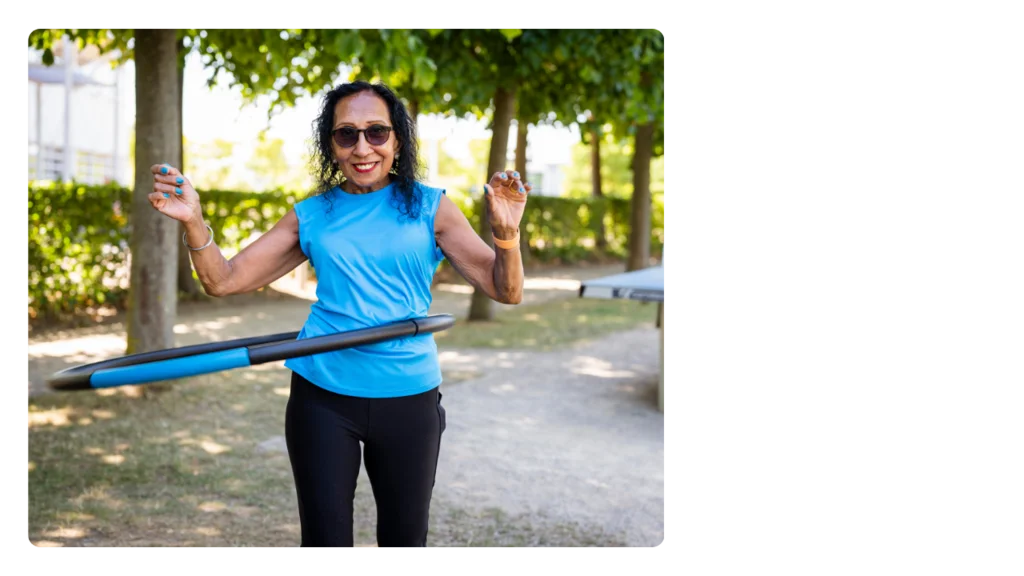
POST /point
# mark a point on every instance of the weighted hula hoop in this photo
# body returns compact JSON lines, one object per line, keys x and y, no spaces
{"x":216,"y":356}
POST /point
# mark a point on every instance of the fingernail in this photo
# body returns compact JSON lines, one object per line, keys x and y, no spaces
{"x":163,"y":169}
{"x":504,"y":176}
{"x":166,"y":195}
{"x":179,"y":180}
{"x":522,"y":190}
{"x":485,"y":189}
{"x":515,"y":174}
{"x":177,"y":190}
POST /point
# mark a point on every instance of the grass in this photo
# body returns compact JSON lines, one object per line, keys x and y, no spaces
{"x":550,"y":325}
{"x":179,"y":468}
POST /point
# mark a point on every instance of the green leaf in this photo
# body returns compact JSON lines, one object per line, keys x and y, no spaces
{"x":510,"y":34}
{"x":48,"y":57}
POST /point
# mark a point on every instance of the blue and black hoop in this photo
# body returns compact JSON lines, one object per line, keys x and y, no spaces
{"x":239,"y":353}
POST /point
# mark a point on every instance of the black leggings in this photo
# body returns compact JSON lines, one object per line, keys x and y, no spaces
{"x":401,"y":438}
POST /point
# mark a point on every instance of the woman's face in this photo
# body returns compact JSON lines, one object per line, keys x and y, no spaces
{"x":365,"y":165}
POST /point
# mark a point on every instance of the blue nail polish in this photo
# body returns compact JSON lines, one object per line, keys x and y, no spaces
{"x":166,"y":195}
{"x":515,"y":174}
{"x":163,"y":169}
{"x":504,"y":176}
{"x":522,"y":190}
{"x":179,"y":180}
{"x":177,"y":190}
{"x":485,"y":190}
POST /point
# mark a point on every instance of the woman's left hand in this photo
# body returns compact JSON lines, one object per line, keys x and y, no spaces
{"x":506,"y":197}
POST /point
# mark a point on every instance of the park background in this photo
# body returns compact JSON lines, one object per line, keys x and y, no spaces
{"x":579,"y":112}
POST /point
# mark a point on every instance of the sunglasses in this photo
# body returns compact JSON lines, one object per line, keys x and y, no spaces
{"x":347,"y":136}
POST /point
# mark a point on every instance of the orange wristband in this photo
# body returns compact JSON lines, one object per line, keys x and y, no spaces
{"x":506,"y":244}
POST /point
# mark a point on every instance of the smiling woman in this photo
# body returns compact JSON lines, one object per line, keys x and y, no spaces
{"x":376,"y":236}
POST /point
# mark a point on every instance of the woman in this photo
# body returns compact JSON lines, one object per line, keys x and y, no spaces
{"x":375,"y":236}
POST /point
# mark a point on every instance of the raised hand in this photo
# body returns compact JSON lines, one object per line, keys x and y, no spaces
{"x":173,"y":194}
{"x":506,"y":200}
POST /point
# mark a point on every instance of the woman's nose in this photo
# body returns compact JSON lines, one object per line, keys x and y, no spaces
{"x":362,"y":147}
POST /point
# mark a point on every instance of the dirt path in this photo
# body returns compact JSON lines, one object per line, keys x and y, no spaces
{"x":573,"y":434}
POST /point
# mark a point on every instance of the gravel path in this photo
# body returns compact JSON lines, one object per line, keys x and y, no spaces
{"x":573,"y":434}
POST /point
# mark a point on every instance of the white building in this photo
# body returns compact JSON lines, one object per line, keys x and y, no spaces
{"x":77,"y":126}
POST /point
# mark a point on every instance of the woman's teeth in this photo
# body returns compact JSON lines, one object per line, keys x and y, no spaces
{"x":365,"y":167}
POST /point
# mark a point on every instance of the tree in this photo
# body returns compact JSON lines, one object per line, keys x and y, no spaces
{"x":647,"y":112}
{"x":152,"y":301}
{"x":623,"y":85}
{"x":152,"y":297}
{"x":549,"y":87}
{"x":478,"y":69}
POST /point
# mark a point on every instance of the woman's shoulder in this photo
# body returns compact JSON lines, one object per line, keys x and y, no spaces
{"x":430,"y":197}
{"x":313,"y":203}
{"x":429,"y":191}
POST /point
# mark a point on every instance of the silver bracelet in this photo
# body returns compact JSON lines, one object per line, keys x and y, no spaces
{"x":208,"y":242}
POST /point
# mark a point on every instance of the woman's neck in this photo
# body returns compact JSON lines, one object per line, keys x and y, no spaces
{"x":351,"y":187}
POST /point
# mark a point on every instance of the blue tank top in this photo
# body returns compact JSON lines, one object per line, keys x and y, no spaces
{"x":373,"y":266}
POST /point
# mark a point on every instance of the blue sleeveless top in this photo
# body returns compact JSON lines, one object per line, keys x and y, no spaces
{"x":373,"y":266}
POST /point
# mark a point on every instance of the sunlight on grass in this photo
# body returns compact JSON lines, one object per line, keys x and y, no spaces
{"x":550,"y":325}
{"x":58,"y":417}
{"x":69,"y":533}
{"x":211,"y":506}
{"x":76,"y":516}
{"x":212,"y":447}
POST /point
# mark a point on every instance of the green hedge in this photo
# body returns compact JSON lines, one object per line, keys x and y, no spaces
{"x":78,"y":236}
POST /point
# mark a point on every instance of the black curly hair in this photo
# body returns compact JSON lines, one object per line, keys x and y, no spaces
{"x":327,"y":175}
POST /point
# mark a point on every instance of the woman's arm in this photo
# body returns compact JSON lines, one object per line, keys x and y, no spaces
{"x":265,"y":260}
{"x":270,"y":257}
{"x":497,"y":271}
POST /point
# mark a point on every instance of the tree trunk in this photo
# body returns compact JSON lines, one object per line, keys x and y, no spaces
{"x":640,"y":218}
{"x":521,"y":132}
{"x":600,"y":242}
{"x":187,"y":285}
{"x":414,"y":112}
{"x":152,"y":298}
{"x":524,"y":234}
{"x":480,"y":307}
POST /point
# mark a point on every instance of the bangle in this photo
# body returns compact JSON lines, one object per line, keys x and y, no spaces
{"x":208,"y":242}
{"x":506,"y":244}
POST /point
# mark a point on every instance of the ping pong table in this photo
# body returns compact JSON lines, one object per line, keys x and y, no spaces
{"x":647,"y":285}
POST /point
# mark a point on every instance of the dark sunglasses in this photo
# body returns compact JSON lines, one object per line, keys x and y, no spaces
{"x":347,"y":136}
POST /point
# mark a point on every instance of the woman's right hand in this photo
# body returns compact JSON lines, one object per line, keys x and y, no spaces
{"x":173,"y":194}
